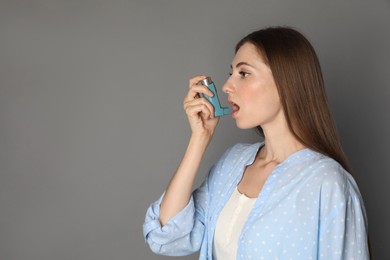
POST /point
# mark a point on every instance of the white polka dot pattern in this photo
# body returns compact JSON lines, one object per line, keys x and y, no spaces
{"x":309,"y":208}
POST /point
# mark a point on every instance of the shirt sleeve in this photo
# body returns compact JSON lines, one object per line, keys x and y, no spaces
{"x":343,"y":223}
{"x":183,"y":234}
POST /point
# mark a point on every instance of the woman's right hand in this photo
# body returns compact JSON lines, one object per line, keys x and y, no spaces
{"x":200,"y":112}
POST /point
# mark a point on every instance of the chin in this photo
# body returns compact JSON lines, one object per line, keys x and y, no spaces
{"x":243,"y":125}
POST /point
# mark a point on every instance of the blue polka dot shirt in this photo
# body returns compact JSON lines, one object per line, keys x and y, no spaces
{"x":309,"y":208}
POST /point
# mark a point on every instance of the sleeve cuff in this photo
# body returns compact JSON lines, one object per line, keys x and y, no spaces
{"x":178,"y":226}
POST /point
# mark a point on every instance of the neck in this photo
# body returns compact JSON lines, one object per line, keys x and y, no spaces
{"x":278,"y":145}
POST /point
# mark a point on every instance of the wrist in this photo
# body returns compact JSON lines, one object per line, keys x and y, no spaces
{"x":200,"y":141}
{"x":203,"y":137}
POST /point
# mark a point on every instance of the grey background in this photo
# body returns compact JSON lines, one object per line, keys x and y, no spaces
{"x":91,"y":121}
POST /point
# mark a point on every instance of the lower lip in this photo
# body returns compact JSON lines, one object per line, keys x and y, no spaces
{"x":234,"y":114}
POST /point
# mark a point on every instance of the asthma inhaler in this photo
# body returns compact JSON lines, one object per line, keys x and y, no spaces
{"x":218,"y":110}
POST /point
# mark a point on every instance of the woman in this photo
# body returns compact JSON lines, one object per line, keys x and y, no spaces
{"x":288,"y":197}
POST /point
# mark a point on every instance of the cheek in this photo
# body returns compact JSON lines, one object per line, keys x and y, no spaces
{"x":261,"y":99}
{"x":263,"y":106}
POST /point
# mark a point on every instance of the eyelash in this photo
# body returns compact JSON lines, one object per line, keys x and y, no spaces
{"x":242,"y":74}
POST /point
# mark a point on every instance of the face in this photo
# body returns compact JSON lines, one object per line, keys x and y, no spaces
{"x":252,"y":92}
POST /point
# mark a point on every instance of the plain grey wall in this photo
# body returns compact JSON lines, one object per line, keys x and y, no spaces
{"x":91,"y":121}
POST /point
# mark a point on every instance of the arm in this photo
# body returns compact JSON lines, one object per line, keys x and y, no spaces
{"x":175,"y":224}
{"x":343,"y":224}
{"x":201,"y":118}
{"x":179,"y":189}
{"x":183,"y":234}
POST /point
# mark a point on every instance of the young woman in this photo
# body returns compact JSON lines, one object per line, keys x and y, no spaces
{"x":287,"y":197}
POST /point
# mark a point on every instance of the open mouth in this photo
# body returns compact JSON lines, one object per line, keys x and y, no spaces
{"x":234,"y":106}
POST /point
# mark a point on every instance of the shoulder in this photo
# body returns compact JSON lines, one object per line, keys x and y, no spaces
{"x":332,"y":179}
{"x":339,"y":194}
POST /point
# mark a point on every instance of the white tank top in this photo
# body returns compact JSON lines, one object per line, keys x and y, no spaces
{"x":229,"y":224}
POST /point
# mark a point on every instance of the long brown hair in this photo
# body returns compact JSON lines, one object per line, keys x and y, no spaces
{"x":298,"y":77}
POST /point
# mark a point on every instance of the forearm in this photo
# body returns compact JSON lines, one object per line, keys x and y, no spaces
{"x":179,"y":189}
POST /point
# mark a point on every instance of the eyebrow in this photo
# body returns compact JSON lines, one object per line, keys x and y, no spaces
{"x":241,"y":64}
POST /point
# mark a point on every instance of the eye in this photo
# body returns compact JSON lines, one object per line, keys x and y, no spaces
{"x":243,"y":74}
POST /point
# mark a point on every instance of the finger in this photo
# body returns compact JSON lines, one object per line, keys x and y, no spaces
{"x":195,"y":80}
{"x":198,"y":101}
{"x":202,"y":104}
{"x":199,"y":89}
{"x":207,"y":115}
{"x":199,"y":111}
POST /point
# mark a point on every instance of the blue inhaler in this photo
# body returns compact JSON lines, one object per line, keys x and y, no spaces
{"x":218,"y":110}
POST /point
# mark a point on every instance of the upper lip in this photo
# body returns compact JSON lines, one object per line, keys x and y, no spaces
{"x":231,"y":102}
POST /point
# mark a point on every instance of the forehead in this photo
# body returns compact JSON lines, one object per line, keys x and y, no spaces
{"x":248,"y":53}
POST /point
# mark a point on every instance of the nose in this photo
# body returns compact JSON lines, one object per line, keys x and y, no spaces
{"x":227,"y":87}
